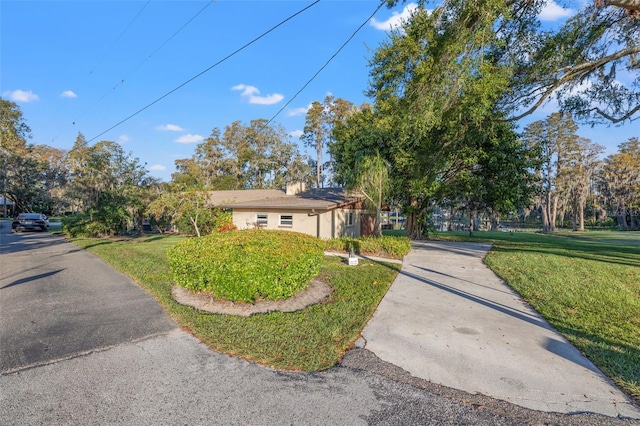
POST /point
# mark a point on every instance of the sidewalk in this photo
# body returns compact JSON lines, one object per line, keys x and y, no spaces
{"x":449,"y":319}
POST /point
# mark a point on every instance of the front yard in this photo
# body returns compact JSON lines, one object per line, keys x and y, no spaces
{"x":314,"y":338}
{"x":587,"y":286}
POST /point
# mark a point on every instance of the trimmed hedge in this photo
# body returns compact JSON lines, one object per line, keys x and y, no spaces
{"x":384,"y":246}
{"x":243,"y":266}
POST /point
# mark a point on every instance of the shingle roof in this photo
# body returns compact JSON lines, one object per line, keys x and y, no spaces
{"x":218,"y":198}
{"x":317,"y":198}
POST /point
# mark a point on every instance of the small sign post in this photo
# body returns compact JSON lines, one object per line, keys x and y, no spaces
{"x":353,"y":260}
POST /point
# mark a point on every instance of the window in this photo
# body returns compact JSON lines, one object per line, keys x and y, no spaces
{"x":348,"y":218}
{"x":262,"y":220}
{"x":286,"y":220}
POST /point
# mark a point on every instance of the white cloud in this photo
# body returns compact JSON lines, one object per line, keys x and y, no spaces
{"x":21,"y":96}
{"x":170,"y":128}
{"x":298,"y":111}
{"x":157,"y":168}
{"x":296,"y":133}
{"x":551,"y":11}
{"x":252,"y":92}
{"x":123,"y":139}
{"x":396,"y":19}
{"x":68,"y":94}
{"x":189,"y":138}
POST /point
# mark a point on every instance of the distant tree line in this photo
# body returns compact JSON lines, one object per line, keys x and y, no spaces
{"x":439,"y":133}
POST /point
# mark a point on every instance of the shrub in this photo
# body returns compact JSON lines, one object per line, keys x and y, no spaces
{"x":385,"y":246}
{"x":247,"y":265}
{"x":76,"y":225}
{"x":224,"y":222}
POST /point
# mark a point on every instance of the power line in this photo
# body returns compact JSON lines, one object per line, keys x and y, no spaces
{"x":209,"y":3}
{"x":207,"y":69}
{"x":326,"y":63}
{"x":122,"y":80}
{"x":120,"y":36}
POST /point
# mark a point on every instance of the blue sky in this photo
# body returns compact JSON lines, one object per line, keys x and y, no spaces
{"x":85,"y":66}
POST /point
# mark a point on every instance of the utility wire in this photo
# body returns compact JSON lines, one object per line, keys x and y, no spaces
{"x":209,"y":2}
{"x":120,"y":36}
{"x":207,"y":69}
{"x":325,"y":64}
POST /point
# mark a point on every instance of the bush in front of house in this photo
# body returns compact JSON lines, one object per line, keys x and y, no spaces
{"x":384,"y":246}
{"x":243,"y":266}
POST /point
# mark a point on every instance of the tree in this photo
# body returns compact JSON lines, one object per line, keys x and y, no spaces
{"x":336,"y":111}
{"x":582,"y":162}
{"x":108,"y":187}
{"x":577,"y":63}
{"x":251,"y":156}
{"x":554,"y":138}
{"x":50,"y":178}
{"x":314,"y":136}
{"x":188,"y":208}
{"x":580,"y":63}
{"x":631,"y":5}
{"x":619,"y":184}
{"x":435,"y":82}
{"x":497,"y":178}
{"x":372,"y":181}
{"x":14,"y":131}
{"x":320,"y":121}
{"x":13,"y":146}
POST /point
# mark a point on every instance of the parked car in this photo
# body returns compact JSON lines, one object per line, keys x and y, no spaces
{"x":30,"y":222}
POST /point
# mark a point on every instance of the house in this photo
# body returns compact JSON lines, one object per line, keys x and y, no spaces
{"x":6,"y":207}
{"x":321,"y":212}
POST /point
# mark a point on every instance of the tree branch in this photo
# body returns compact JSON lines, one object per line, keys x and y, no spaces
{"x":615,"y":120}
{"x":574,"y":73}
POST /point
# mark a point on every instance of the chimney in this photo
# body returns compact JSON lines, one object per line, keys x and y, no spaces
{"x":294,"y":188}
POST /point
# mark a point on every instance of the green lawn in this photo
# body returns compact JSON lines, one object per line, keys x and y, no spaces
{"x":587,"y":285}
{"x":312,"y":339}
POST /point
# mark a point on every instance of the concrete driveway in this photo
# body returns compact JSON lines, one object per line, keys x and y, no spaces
{"x":83,"y":344}
{"x":450,"y":320}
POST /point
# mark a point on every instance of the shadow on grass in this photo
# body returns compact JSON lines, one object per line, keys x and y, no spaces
{"x":600,"y":247}
{"x":99,"y":243}
{"x":626,"y":256}
{"x":618,"y":360}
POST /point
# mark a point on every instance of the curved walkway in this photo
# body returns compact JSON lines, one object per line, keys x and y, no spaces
{"x":449,"y":319}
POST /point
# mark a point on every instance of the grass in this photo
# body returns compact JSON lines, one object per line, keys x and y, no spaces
{"x":586,"y":285}
{"x":312,"y":339}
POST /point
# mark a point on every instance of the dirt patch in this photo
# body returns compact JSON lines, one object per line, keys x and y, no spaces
{"x":317,"y":291}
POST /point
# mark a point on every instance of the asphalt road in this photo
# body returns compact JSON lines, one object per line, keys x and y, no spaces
{"x":82,"y":344}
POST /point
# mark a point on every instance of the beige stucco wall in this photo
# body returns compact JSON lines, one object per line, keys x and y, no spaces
{"x":330,"y":224}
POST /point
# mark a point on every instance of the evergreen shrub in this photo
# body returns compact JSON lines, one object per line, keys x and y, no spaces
{"x":384,"y":246}
{"x":246,"y":265}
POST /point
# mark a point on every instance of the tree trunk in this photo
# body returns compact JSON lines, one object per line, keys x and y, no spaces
{"x":633,"y":220}
{"x":622,"y":217}
{"x":553,"y":214}
{"x":377,"y":226}
{"x":627,"y":4}
{"x":581,"y":216}
{"x":414,"y":228}
{"x":139,"y":221}
{"x":319,"y":166}
{"x":194,"y":222}
{"x":545,"y":219}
